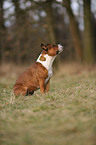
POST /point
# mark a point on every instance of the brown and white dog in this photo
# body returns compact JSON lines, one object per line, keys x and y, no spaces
{"x":39,"y":74}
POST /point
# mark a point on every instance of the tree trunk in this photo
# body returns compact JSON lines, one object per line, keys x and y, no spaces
{"x":50,"y":27}
{"x":17,"y":9}
{"x":50,"y":21}
{"x":74,"y":30}
{"x":88,"y":39}
{"x":18,"y":29}
{"x":2,"y":33}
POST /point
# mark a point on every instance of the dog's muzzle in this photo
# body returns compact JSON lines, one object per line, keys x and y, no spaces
{"x":60,"y":48}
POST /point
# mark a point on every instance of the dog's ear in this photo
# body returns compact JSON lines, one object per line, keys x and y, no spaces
{"x":44,"y":47}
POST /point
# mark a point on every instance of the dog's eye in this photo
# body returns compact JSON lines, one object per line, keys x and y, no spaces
{"x":53,"y":45}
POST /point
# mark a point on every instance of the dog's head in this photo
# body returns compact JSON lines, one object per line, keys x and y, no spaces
{"x":52,"y":49}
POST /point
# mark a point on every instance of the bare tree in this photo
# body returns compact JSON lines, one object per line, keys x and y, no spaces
{"x":51,"y":27}
{"x":2,"y":32}
{"x":29,"y":26}
{"x":74,"y":30}
{"x":88,"y":38}
{"x":50,"y":21}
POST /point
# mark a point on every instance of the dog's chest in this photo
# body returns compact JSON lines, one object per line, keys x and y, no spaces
{"x":47,"y":63}
{"x":50,"y":73}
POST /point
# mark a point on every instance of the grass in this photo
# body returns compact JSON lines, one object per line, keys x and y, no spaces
{"x":64,"y":116}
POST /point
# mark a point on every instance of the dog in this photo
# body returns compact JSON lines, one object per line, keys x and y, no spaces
{"x":39,"y":74}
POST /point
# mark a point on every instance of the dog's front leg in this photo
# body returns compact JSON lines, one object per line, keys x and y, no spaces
{"x":42,"y":85}
{"x":47,"y":86}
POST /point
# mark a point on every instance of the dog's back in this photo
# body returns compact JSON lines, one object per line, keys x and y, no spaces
{"x":28,"y":82}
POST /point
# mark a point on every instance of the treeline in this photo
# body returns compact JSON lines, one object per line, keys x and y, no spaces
{"x":25,"y":24}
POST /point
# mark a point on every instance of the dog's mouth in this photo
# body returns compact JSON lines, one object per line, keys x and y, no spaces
{"x":60,"y":48}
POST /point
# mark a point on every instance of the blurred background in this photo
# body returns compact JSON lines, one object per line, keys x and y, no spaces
{"x":25,"y":24}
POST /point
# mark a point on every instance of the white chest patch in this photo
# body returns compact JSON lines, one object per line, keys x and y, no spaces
{"x":47,"y":64}
{"x":50,"y":73}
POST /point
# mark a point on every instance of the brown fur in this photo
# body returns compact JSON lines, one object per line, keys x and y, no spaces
{"x":42,"y":58}
{"x":35,"y":76}
{"x":30,"y":80}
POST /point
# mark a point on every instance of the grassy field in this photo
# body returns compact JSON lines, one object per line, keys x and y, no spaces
{"x":64,"y":116}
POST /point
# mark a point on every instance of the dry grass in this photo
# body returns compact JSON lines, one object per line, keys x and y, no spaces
{"x":64,"y":116}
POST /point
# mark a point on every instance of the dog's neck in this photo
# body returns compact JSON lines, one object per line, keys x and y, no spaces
{"x":47,"y":62}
